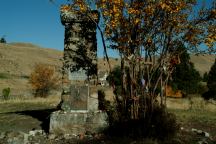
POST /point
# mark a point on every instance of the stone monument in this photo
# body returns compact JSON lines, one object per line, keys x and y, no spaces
{"x":79,"y":105}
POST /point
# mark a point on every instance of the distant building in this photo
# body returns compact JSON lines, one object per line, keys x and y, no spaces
{"x":102,"y":78}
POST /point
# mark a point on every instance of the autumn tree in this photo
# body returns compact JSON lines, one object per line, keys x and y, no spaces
{"x":147,"y":34}
{"x":43,"y":79}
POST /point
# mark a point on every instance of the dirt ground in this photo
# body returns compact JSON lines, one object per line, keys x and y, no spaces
{"x":27,"y":115}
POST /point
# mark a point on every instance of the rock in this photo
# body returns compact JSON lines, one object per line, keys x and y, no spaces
{"x":67,"y":136}
{"x":2,"y":135}
{"x":36,"y":132}
{"x":78,"y":122}
{"x":52,"y":136}
{"x":206,"y":134}
{"x":202,"y":142}
{"x":194,"y":130}
{"x":199,"y":132}
{"x":15,"y":138}
{"x":32,"y":133}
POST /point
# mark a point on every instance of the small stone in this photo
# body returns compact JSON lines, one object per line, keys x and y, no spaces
{"x":67,"y":136}
{"x":2,"y":135}
{"x":206,"y":134}
{"x":32,"y":133}
{"x":52,"y":136}
{"x":199,"y":132}
{"x":202,"y":142}
{"x":194,"y":130}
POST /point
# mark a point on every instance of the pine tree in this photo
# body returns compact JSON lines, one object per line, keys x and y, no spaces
{"x":185,"y":77}
{"x":211,"y":83}
{"x":205,"y":77}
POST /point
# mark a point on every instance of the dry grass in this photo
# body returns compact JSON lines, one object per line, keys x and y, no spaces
{"x":194,"y":103}
{"x":50,"y":99}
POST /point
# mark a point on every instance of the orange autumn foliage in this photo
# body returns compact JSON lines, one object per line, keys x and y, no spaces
{"x":173,"y":93}
{"x":43,"y":79}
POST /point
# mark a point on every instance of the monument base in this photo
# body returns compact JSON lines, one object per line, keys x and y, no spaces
{"x":77,"y":122}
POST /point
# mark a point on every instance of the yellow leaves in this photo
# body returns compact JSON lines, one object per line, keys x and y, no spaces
{"x":81,"y":4}
{"x":136,"y":21}
{"x":133,"y":11}
{"x":113,"y":23}
{"x":172,"y":6}
{"x":213,"y":13}
{"x":149,"y":10}
{"x":163,"y":5}
{"x":210,"y":40}
{"x":65,"y":8}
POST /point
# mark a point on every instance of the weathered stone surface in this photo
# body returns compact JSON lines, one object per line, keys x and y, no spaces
{"x":79,"y":112}
{"x":80,"y":53}
{"x":76,"y":98}
{"x":77,"y":122}
{"x":93,"y":102}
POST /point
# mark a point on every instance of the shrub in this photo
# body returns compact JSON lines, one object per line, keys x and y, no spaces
{"x":211,"y":83}
{"x":2,"y":40}
{"x":156,"y":123}
{"x":6,"y":93}
{"x":4,"y":76}
{"x":205,"y":77}
{"x":43,"y":79}
{"x":115,"y":76}
{"x":185,"y":77}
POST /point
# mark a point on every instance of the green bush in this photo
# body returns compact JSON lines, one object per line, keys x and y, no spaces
{"x":185,"y":77}
{"x":6,"y":93}
{"x":115,"y":76}
{"x":4,"y":76}
{"x":2,"y":40}
{"x":205,"y":77}
{"x":211,"y":83}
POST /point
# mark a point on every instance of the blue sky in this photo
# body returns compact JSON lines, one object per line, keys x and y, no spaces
{"x":37,"y":22}
{"x":33,"y":21}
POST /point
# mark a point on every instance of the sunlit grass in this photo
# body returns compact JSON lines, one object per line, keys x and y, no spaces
{"x":14,"y":105}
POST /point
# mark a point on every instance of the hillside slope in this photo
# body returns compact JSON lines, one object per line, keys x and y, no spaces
{"x":17,"y":61}
{"x":20,"y":58}
{"x":203,"y":63}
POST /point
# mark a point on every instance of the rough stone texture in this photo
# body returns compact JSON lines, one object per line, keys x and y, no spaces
{"x":77,"y":122}
{"x":76,"y":99}
{"x":80,"y":52}
{"x":79,"y":113}
{"x":93,"y":102}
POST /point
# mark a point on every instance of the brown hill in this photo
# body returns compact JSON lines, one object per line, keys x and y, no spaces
{"x":17,"y":61}
{"x":203,"y":62}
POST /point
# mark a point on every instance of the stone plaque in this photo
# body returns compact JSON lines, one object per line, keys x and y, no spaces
{"x":78,"y":75}
{"x":79,"y":97}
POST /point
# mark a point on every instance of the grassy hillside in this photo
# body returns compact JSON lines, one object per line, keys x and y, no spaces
{"x":17,"y":61}
{"x":203,"y":63}
{"x":19,"y":58}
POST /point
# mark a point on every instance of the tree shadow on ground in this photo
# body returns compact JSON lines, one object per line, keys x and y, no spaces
{"x":42,"y":115}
